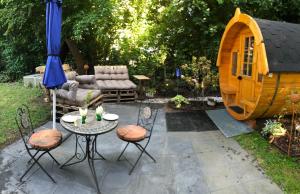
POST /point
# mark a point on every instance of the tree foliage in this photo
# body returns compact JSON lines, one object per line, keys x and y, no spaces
{"x":152,"y":37}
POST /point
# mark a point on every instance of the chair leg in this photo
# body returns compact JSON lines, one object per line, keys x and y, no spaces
{"x":46,"y":172}
{"x":136,"y":162}
{"x":29,"y":161}
{"x":36,"y":162}
{"x":123,"y":151}
{"x":53,"y":158}
{"x":147,"y":153}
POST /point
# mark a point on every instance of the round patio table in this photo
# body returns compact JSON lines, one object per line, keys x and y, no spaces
{"x":89,"y":132}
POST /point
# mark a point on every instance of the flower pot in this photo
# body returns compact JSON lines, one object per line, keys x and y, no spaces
{"x":150,"y":95}
{"x":211,"y":102}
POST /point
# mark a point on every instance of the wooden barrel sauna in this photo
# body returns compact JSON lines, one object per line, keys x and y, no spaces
{"x":259,"y":66}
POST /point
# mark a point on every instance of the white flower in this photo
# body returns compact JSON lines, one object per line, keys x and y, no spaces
{"x":99,"y":110}
{"x":83,"y":111}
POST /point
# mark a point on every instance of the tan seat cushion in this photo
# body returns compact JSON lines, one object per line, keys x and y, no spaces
{"x":116,"y":72}
{"x":115,"y":84}
{"x":132,"y":133}
{"x":79,"y":99}
{"x":85,"y":79}
{"x":67,"y":92}
{"x":81,"y":96}
{"x":45,"y":139}
{"x":71,"y":75}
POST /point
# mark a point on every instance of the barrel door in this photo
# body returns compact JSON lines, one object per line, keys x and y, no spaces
{"x":245,"y":78}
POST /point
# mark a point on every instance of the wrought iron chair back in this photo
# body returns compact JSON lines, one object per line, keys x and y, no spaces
{"x":24,"y":123}
{"x":147,"y":117}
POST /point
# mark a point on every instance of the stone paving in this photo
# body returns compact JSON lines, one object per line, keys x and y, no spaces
{"x":187,"y":162}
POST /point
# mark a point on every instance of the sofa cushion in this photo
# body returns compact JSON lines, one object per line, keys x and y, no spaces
{"x":68,"y":91}
{"x":89,"y":86}
{"x":129,"y":84}
{"x":102,"y":72}
{"x":71,"y":75}
{"x":87,"y":82}
{"x":117,"y":72}
{"x":115,"y":84}
{"x":76,"y":98}
{"x":82,"y":95}
{"x":86,"y":79}
{"x":70,"y":85}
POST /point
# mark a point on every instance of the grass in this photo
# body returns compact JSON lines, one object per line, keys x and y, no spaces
{"x":283,"y":170}
{"x":12,"y":96}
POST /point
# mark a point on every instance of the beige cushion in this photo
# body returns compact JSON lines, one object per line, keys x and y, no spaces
{"x":71,"y":94}
{"x":68,"y":92}
{"x":115,"y":84}
{"x":87,"y":82}
{"x":82,"y":94}
{"x":101,"y":84}
{"x":89,"y":86}
{"x":71,"y":75}
{"x":70,"y":85}
{"x":117,"y":72}
{"x":86,"y":79}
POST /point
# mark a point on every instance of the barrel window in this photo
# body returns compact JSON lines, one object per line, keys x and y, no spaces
{"x":248,"y":56}
{"x":234,"y":63}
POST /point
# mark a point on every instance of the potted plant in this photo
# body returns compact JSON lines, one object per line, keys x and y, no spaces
{"x":179,"y":100}
{"x":273,"y":129}
{"x":150,"y":92}
{"x":84,"y":110}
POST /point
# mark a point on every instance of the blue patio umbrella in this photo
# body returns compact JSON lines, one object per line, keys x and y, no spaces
{"x":54,"y":75}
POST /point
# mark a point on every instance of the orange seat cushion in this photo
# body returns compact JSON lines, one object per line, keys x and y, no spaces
{"x":132,"y":133}
{"x":45,"y":139}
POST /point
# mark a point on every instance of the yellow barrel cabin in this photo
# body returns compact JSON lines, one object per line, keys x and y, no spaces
{"x":259,"y":66}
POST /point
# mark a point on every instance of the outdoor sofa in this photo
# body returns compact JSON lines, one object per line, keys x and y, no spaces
{"x":114,"y":83}
{"x":78,"y":91}
{"x":110,"y":83}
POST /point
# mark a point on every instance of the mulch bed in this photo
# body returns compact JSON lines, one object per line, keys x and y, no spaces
{"x":189,"y":121}
{"x":283,"y":142}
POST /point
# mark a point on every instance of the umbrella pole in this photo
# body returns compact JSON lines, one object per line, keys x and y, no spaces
{"x":54,"y":109}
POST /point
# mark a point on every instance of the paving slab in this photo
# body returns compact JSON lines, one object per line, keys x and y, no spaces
{"x":187,"y":162}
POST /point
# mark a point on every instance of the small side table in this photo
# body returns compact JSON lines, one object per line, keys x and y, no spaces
{"x":141,"y":79}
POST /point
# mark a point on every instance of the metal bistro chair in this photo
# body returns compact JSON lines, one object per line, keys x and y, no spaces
{"x":41,"y":141}
{"x":137,"y":133}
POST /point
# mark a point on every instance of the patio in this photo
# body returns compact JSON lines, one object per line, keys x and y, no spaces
{"x":187,"y":162}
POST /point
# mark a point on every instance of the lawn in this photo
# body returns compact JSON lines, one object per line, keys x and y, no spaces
{"x":283,"y":170}
{"x":13,"y":95}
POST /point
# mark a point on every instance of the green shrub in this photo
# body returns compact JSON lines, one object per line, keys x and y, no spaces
{"x":179,"y":100}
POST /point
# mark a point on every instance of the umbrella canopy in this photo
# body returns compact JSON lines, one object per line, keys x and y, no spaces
{"x":54,"y":75}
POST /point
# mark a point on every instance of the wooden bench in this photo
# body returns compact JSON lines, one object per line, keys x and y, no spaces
{"x":228,"y":91}
{"x":114,"y":83}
